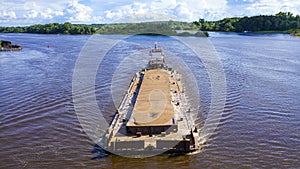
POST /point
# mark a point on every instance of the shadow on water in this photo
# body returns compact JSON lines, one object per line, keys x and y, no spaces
{"x":99,"y":152}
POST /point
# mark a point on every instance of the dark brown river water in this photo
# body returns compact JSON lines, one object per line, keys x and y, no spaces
{"x":259,"y":127}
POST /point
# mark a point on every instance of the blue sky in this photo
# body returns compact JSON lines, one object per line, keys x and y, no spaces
{"x":28,"y":12}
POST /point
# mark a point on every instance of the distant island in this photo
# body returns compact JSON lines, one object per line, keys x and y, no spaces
{"x":8,"y":46}
{"x":282,"y":22}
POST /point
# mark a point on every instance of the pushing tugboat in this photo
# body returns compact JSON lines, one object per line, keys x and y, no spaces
{"x":152,"y":117}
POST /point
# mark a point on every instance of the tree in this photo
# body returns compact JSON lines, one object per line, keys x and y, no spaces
{"x":294,"y":25}
{"x":267,"y":24}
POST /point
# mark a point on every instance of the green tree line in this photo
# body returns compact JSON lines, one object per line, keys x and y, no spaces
{"x":51,"y":28}
{"x":282,"y":21}
{"x":150,"y":28}
{"x":164,"y":27}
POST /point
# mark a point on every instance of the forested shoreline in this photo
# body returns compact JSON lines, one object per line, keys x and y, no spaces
{"x":167,"y":28}
{"x":282,"y":22}
{"x":51,"y":28}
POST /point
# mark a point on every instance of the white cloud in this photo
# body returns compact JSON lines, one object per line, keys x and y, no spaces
{"x":31,"y":14}
{"x":75,"y":12}
{"x":6,"y":16}
{"x":138,"y":12}
{"x":163,"y":5}
{"x":26,"y":12}
{"x":41,"y":14}
{"x":169,"y":9}
{"x":182,"y":11}
{"x":210,"y":10}
{"x":269,"y":7}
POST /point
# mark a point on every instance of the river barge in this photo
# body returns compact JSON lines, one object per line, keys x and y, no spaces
{"x":153,"y":116}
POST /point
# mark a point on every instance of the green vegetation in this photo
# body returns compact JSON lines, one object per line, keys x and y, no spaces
{"x":137,"y":28}
{"x":0,"y":44}
{"x":167,"y":28}
{"x":282,"y":22}
{"x":52,"y":28}
{"x":295,"y":32}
